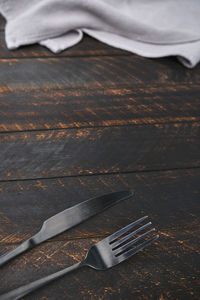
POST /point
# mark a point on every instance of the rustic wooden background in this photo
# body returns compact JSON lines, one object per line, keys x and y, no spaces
{"x":89,"y":121}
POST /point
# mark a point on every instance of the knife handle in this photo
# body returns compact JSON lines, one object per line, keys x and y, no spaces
{"x":28,"y":244}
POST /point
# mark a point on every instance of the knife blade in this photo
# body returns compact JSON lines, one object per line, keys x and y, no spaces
{"x":67,"y":219}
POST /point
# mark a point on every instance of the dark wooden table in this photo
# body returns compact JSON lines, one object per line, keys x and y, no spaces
{"x":89,"y":121}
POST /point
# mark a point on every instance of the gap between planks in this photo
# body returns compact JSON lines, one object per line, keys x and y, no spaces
{"x":64,"y":56}
{"x":195,"y":120}
{"x":101,"y":174}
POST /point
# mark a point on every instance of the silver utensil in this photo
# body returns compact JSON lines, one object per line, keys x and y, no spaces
{"x":103,"y":255}
{"x":67,"y":219}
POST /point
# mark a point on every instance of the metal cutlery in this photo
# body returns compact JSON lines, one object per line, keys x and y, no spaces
{"x":66,"y":220}
{"x":103,"y":255}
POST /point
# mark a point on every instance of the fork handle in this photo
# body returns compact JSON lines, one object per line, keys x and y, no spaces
{"x":30,"y":287}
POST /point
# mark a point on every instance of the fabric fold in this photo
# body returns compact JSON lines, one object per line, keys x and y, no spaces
{"x":151,"y":28}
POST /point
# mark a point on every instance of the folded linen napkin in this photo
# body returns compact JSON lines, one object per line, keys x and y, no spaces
{"x":151,"y":28}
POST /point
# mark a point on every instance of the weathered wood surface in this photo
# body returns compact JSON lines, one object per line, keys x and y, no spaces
{"x":168,"y":269}
{"x":99,"y":150}
{"x":170,"y":198}
{"x":90,"y":72}
{"x":21,"y":111}
{"x":96,"y":110}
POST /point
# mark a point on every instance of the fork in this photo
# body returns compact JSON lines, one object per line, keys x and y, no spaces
{"x":101,"y":256}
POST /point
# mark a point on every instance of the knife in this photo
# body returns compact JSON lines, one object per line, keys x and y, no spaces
{"x":67,"y":219}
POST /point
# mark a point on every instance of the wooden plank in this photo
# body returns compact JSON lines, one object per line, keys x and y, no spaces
{"x":86,"y":108}
{"x":75,"y":152}
{"x":167,"y":270}
{"x":91,"y":72}
{"x":170,"y":198}
{"x":87,"y":47}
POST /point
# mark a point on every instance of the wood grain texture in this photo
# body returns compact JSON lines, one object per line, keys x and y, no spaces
{"x":91,"y":72}
{"x":167,"y":270}
{"x":170,"y":198}
{"x":75,"y":152}
{"x":70,"y":108}
{"x":89,"y":121}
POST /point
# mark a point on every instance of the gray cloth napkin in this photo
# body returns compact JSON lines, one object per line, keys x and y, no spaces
{"x":151,"y":28}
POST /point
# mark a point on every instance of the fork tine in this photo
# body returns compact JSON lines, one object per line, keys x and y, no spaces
{"x":128,"y":236}
{"x":120,"y":232}
{"x":133,"y":251}
{"x":132,"y":242}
